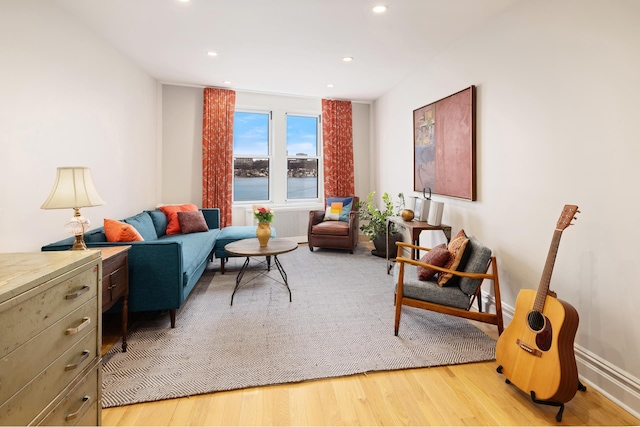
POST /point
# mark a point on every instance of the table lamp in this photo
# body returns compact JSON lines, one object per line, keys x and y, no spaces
{"x":74,"y":189}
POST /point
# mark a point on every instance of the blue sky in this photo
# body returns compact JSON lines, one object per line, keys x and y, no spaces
{"x":250,"y":132}
{"x":302,"y":135}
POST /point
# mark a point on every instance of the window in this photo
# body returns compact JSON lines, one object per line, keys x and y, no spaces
{"x":302,"y":157}
{"x":276,"y":156}
{"x":251,"y":156}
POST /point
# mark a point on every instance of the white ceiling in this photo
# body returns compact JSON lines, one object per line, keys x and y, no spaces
{"x":290,"y":47}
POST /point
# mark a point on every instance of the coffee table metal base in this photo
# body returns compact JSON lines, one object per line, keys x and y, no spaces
{"x":283,"y":274}
{"x":251,"y":248}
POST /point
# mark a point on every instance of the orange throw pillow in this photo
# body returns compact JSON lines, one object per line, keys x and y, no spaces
{"x":117,"y":231}
{"x":171,"y":211}
{"x":456,"y":247}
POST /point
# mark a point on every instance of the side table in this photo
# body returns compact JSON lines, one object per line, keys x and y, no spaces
{"x":415,"y":228}
{"x":115,"y":282}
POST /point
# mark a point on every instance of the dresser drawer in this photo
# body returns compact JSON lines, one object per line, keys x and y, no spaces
{"x":80,"y":405}
{"x":27,"y":361}
{"x":37,"y":310}
{"x":43,"y":386}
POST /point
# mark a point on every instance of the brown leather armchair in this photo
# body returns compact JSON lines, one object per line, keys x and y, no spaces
{"x":334,"y":234}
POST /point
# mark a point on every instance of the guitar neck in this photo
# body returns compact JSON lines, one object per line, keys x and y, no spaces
{"x":545,"y":280}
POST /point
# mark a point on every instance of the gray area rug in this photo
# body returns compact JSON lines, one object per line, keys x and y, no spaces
{"x":339,"y":323}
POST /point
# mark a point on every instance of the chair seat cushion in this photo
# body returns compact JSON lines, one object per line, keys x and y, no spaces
{"x":331,"y":228}
{"x":429,"y":290}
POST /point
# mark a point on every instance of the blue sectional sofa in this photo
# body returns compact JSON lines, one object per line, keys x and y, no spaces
{"x":163,"y":269}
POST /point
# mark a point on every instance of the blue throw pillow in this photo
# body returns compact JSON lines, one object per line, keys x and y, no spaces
{"x":343,"y":215}
{"x":160,"y":221}
{"x":143,"y":223}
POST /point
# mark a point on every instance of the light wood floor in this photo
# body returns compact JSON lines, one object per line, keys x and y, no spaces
{"x":471,"y":394}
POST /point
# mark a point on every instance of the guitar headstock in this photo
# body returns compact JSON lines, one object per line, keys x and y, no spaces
{"x":567,"y":215}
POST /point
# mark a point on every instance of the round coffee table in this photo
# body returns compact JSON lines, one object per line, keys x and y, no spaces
{"x":251,"y":248}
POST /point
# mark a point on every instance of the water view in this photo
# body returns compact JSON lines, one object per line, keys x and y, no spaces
{"x":257,"y":188}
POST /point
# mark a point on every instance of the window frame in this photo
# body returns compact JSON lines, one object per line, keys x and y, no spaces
{"x":317,"y":156}
{"x":268,"y":157}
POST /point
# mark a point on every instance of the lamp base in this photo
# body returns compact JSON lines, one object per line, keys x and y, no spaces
{"x":79,"y":245}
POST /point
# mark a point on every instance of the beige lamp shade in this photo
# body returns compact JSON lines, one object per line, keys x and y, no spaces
{"x":73,"y":189}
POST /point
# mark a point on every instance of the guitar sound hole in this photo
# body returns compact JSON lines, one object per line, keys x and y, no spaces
{"x":536,"y":321}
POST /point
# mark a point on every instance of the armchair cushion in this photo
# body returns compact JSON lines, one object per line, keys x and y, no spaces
{"x":415,"y":288}
{"x":456,"y":248}
{"x":338,"y":208}
{"x":438,"y":256}
{"x":331,"y":228}
{"x":479,"y":257}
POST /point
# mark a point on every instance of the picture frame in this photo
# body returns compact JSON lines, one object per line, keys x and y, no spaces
{"x":444,"y":146}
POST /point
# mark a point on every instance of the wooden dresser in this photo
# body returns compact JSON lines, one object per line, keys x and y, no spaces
{"x":115,"y":282}
{"x":50,"y":338}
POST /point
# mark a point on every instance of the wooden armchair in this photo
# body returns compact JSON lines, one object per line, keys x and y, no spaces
{"x":454,"y":300}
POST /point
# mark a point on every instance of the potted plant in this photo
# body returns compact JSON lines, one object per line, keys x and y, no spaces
{"x":375,"y":225}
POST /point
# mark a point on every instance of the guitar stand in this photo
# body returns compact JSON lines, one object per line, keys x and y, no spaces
{"x":581,"y":387}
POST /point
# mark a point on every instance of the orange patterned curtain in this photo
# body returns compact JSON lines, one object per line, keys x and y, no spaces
{"x":217,"y":151}
{"x":337,"y":144}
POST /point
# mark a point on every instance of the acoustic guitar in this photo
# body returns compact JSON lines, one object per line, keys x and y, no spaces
{"x":535,"y":352}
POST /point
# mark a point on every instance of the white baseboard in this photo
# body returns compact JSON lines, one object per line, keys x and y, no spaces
{"x":616,"y":384}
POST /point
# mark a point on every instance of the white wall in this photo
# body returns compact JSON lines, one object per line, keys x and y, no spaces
{"x":557,"y":112}
{"x":68,"y":99}
{"x":182,"y":140}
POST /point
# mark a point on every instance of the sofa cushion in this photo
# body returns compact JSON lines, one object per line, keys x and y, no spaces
{"x":192,"y":222}
{"x":234,"y":233}
{"x":143,"y":223}
{"x":438,"y":256}
{"x":195,"y":248}
{"x":95,"y":236}
{"x":160,"y":221}
{"x":171,"y":211}
{"x":117,"y":231}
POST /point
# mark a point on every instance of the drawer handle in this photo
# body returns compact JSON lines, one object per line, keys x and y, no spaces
{"x":73,"y":415}
{"x":81,"y":326}
{"x":84,"y":290}
{"x":72,"y":366}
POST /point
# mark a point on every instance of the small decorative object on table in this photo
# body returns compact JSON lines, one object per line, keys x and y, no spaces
{"x":406,"y":214}
{"x":264,"y":215}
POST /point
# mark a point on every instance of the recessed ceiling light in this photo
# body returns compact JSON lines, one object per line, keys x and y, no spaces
{"x":380,"y":9}
{"x":347,"y":58}
{"x":211,"y":53}
{"x":184,"y":1}
{"x":330,"y":85}
{"x":227,"y":82}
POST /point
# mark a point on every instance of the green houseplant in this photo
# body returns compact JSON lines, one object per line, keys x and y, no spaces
{"x":375,"y":225}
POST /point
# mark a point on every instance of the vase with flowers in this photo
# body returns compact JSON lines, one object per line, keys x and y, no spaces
{"x":264,"y":215}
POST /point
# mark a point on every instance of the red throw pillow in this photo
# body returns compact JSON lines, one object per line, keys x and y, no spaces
{"x":171,"y":211}
{"x":192,"y":222}
{"x":117,"y":231}
{"x":437,"y":256}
